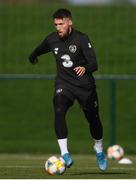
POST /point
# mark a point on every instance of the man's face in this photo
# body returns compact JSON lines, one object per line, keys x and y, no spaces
{"x":63,"y":26}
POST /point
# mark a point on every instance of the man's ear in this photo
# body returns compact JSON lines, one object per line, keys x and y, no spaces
{"x":70,"y":22}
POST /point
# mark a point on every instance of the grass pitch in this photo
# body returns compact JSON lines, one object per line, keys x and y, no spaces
{"x":85,"y":167}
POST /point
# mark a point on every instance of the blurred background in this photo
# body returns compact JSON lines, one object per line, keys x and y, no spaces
{"x":26,"y":109}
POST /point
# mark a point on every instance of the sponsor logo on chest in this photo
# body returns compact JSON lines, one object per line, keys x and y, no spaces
{"x":66,"y":61}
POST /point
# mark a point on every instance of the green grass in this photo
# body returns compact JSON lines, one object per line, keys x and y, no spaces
{"x":32,"y":166}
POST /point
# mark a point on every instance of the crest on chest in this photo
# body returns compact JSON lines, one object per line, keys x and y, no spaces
{"x":72,"y":48}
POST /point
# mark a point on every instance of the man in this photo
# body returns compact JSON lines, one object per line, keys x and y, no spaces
{"x":75,"y":61}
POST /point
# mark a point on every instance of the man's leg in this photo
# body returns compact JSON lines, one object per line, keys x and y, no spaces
{"x":91,"y":110}
{"x":61,"y":106}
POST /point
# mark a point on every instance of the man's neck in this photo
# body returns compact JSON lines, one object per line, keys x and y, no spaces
{"x":69,"y":33}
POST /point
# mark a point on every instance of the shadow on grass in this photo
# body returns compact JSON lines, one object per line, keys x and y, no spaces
{"x":101,"y":173}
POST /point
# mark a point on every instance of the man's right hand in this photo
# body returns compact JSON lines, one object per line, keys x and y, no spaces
{"x":33,"y":60}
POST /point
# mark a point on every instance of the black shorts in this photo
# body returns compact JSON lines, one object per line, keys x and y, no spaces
{"x":85,"y":97}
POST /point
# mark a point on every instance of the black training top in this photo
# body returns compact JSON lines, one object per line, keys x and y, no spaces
{"x":75,"y":50}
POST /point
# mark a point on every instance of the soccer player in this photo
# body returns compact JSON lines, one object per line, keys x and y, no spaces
{"x":75,"y":61}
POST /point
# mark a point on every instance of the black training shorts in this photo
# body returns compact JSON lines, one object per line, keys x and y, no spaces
{"x":86,"y":97}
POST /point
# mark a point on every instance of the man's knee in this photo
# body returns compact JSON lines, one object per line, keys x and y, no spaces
{"x":61,"y":103}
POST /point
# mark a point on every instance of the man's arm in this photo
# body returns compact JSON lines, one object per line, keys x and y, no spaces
{"x":41,"y":49}
{"x":89,"y":54}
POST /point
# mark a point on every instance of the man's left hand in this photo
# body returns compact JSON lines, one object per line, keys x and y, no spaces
{"x":80,"y":70}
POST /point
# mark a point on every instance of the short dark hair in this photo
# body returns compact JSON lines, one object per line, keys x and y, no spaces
{"x":62,"y":13}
